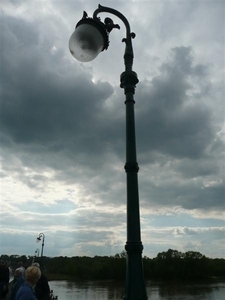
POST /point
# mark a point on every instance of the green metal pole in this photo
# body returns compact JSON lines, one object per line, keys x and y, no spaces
{"x":135,"y":282}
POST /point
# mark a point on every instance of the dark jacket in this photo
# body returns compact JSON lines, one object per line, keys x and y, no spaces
{"x":17,"y":282}
{"x":42,"y":289}
{"x":4,"y":280}
{"x":4,"y":274}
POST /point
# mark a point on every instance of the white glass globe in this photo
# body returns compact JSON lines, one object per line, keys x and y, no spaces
{"x":86,"y":42}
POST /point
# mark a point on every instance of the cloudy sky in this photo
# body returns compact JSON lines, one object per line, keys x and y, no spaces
{"x":63,"y":129}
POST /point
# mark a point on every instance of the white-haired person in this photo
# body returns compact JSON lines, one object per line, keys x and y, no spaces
{"x":17,"y":282}
{"x":26,"y":292}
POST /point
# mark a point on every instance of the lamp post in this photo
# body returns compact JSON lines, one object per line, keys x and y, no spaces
{"x":36,"y":254}
{"x":87,"y":41}
{"x":41,"y":236}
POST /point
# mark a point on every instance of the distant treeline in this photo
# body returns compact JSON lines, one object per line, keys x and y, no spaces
{"x":170,"y":265}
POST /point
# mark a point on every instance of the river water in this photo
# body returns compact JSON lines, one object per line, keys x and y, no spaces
{"x":110,"y":290}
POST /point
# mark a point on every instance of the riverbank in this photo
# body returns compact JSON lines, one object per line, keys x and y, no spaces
{"x":56,"y":277}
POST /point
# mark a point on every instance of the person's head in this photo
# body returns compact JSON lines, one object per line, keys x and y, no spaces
{"x":32,"y":275}
{"x":35,"y":264}
{"x":19,"y":264}
{"x":18,"y":272}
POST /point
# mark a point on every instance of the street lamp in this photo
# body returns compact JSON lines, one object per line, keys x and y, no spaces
{"x":88,"y":40}
{"x":41,"y":236}
{"x":36,"y":254}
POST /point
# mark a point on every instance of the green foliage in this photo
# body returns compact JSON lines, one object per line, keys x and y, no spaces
{"x":178,"y":265}
{"x":168,"y":265}
{"x":82,"y":268}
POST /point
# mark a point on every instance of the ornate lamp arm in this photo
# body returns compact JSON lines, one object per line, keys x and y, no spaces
{"x":128,"y":55}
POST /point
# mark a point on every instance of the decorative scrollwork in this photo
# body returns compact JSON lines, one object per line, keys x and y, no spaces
{"x":109,"y":25}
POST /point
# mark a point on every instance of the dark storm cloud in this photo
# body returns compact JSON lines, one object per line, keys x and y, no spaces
{"x":54,"y":116}
{"x":188,"y":195}
{"x":171,"y":121}
{"x":176,"y":126}
{"x":43,"y":107}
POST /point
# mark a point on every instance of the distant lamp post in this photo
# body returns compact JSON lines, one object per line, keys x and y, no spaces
{"x":88,"y":40}
{"x":36,"y":254}
{"x":39,"y":238}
